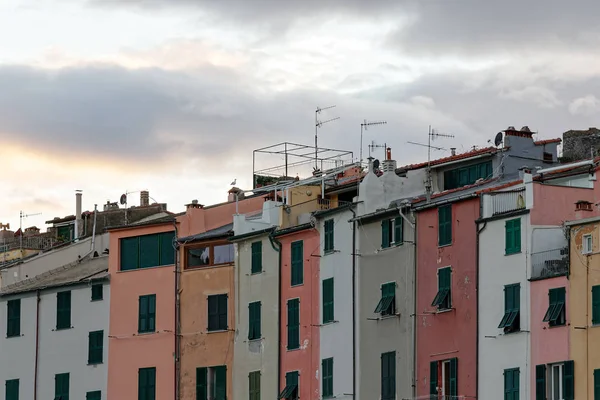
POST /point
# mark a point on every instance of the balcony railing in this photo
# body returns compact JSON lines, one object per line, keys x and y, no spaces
{"x":498,"y":203}
{"x":549,"y":263}
{"x":326,"y":204}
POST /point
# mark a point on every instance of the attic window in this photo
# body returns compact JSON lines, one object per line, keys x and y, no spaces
{"x":548,"y":157}
{"x":583,"y":206}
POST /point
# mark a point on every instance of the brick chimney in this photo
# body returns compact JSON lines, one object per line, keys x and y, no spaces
{"x":583,"y":209}
{"x":144,"y":198}
{"x":388,"y":164}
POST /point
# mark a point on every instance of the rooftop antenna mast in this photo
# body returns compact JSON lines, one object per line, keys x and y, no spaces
{"x":318,"y":124}
{"x":432,"y":135}
{"x":21,"y":216}
{"x":364,"y":126}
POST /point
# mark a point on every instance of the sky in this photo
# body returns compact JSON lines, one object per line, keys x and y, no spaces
{"x":173,"y":96}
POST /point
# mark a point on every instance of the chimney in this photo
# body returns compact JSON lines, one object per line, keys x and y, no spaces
{"x":78,"y":195}
{"x":389,"y":165}
{"x":144,"y":198}
{"x":453,"y":151}
{"x":525,"y":132}
{"x":582,"y":209}
{"x":194,"y":204}
{"x":388,"y":153}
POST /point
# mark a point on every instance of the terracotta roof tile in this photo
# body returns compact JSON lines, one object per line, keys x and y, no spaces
{"x":457,"y":157}
{"x":460,"y":189}
{"x":547,"y":141}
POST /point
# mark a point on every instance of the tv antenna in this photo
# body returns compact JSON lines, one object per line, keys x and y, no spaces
{"x":375,"y":146}
{"x":319,"y":124}
{"x":364,"y":125}
{"x":21,"y":217}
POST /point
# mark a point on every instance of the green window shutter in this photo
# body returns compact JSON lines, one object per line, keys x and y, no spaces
{"x":385,"y":233}
{"x":398,"y":230}
{"x":95,"y":347}
{"x":63,"y":310}
{"x":201,"y":383}
{"x":95,"y":395}
{"x":147,"y":383}
{"x":97,"y":291}
{"x":327,"y":377}
{"x":149,"y":251}
{"x":254,"y":385}
{"x":445,"y":225}
{"x":130,"y":253}
{"x":147,"y":314}
{"x":596,"y":305}
{"x":217,"y":312}
{"x":568,"y":382}
{"x":329,"y":245}
{"x":388,"y":376}
{"x":12,"y":389}
{"x":517,"y":234}
{"x":220,"y":392}
{"x":328,"y":307}
{"x":256,"y":258}
{"x":293,"y":326}
{"x":597,"y":384}
{"x":13,"y":320}
{"x":453,"y":377}
{"x":297,"y":263}
{"x":512,"y":230}
{"x":167,"y":251}
{"x":511,"y":384}
{"x":223,"y":311}
{"x":540,"y":382}
{"x":254,"y":314}
{"x":508,"y":237}
{"x":443,"y":298}
{"x":61,"y":386}
{"x":433,"y":379}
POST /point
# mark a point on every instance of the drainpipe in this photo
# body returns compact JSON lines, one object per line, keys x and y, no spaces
{"x":37,"y":344}
{"x":478,"y":232}
{"x":354,"y":395}
{"x":276,"y":244}
{"x":177,"y":314}
{"x":415,"y":378}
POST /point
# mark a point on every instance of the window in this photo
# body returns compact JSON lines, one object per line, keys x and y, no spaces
{"x":13,"y":318}
{"x":587,"y":244}
{"x":95,"y":347}
{"x":12,"y":389}
{"x":96,"y":395}
{"x":147,"y":314}
{"x":210,"y":254}
{"x":443,"y":378}
{"x":254,"y":331}
{"x":597,"y":384}
{"x":297,"y":263}
{"x":512,"y":230}
{"x":392,"y":232}
{"x":445,"y":225}
{"x":387,"y":303}
{"x":327,"y":374}
{"x":555,"y":381}
{"x":443,"y":297}
{"x":61,"y":386}
{"x":511,"y":384}
{"x":65,"y":232}
{"x":596,"y":305}
{"x":147,"y":251}
{"x":256,"y":258}
{"x":511,"y":321}
{"x":293,"y":324}
{"x":147,"y":384}
{"x":63,"y":310}
{"x":254,"y":385}
{"x":328,"y":248}
{"x":388,"y":376}
{"x":211,"y":383}
{"x":327,"y":300}
{"x":555,"y":315}
{"x":459,"y":177}
{"x":217,"y":312}
{"x":97,"y":291}
{"x":291,"y":390}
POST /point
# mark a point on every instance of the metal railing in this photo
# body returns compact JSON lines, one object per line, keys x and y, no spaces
{"x":326,"y":204}
{"x":549,"y":263}
{"x":504,"y":202}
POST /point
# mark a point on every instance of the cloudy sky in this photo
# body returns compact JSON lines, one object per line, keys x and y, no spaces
{"x":173,"y":95}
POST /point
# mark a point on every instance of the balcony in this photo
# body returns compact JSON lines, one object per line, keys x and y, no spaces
{"x":549,"y":263}
{"x":326,"y":204}
{"x":498,"y":203}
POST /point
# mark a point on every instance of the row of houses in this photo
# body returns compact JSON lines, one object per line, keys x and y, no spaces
{"x":470,"y":276}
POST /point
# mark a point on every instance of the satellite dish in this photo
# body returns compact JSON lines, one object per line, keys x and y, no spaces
{"x":123,"y":199}
{"x":376,"y":164}
{"x":498,"y":139}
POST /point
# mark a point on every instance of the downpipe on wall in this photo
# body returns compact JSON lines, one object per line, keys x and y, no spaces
{"x":478,"y":232}
{"x":37,"y":343}
{"x":177,"y":314}
{"x":277,"y":246}
{"x":354,"y":395}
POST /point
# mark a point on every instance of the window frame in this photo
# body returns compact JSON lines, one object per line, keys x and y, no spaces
{"x":388,"y":382}
{"x":587,"y":244}
{"x":443,"y":298}
{"x":512,"y":392}
{"x":13,"y":323}
{"x":295,"y":328}
{"x":211,"y":248}
{"x":254,"y":385}
{"x":63,"y":311}
{"x":556,"y":315}
{"x":328,"y":302}
{"x":329,"y":240}
{"x":445,"y":225}
{"x":220,"y":314}
{"x":297,"y":265}
{"x":12,"y":389}
{"x":159,"y":249}
{"x":256,"y":260}
{"x":511,"y":320}
{"x":512,"y":235}
{"x":327,"y":377}
{"x":62,"y":386}
{"x":97,"y":294}
{"x":254,"y":320}
{"x":93,"y":395}
{"x":147,"y":315}
{"x":387,"y":303}
{"x":291,"y":391}
{"x":96,"y":347}
{"x":149,"y":387}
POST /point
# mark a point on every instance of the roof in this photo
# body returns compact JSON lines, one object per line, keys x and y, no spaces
{"x":292,"y":229}
{"x":217,"y":233}
{"x":160,"y":218}
{"x":583,"y":221}
{"x":547,"y":141}
{"x":70,"y":274}
{"x":325,"y":213}
{"x":463,"y":156}
{"x":58,"y":220}
{"x":252,"y":234}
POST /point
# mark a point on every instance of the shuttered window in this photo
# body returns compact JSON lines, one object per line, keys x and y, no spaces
{"x":147,"y":251}
{"x":297,"y":270}
{"x":568,"y":383}
{"x":511,"y":384}
{"x":386,"y":233}
{"x":95,"y":347}
{"x":398,"y":230}
{"x":387,"y":303}
{"x":512,"y":230}
{"x":596,"y":305}
{"x":293,"y":324}
{"x":201,"y":383}
{"x":328,"y":300}
{"x":540,"y":382}
{"x":555,"y":315}
{"x":597,"y":384}
{"x":12,"y":389}
{"x":291,"y":389}
{"x":220,"y":383}
{"x":256,"y":258}
{"x":95,"y":395}
{"x":512,"y":308}
{"x":433,"y":379}
{"x":328,"y":246}
{"x":445,"y":225}
{"x":453,"y":378}
{"x":13,"y":318}
{"x":97,"y":290}
{"x":61,"y":386}
{"x":217,"y":312}
{"x":388,"y":376}
{"x":254,"y":385}
{"x":254,"y":317}
{"x":147,"y":384}
{"x":327,"y":380}
{"x":63,"y":310}
{"x":459,"y":177}
{"x":443,"y":297}
{"x":147,"y":314}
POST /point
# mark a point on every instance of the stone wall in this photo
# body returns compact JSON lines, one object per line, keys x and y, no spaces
{"x":577,"y":144}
